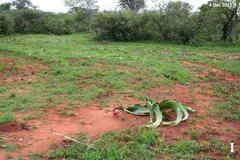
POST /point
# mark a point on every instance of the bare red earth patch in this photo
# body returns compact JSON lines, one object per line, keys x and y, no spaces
{"x":206,"y":69}
{"x":13,"y":127}
{"x":93,"y":120}
{"x":21,"y":72}
{"x":97,"y":118}
{"x":9,"y":60}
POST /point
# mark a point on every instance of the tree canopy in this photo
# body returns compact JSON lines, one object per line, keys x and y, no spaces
{"x":132,"y":4}
{"x":225,"y":12}
{"x":5,"y":7}
{"x":79,"y":5}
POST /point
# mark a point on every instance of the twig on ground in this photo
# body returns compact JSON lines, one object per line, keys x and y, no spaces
{"x":74,"y":140}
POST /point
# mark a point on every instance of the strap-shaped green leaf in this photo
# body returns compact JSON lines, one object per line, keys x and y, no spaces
{"x":137,"y":109}
{"x":158,"y":111}
{"x":159,"y":117}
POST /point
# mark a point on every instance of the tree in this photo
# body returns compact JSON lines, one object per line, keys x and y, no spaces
{"x":132,"y":4}
{"x":6,"y":24}
{"x":84,"y":10}
{"x":123,"y":25}
{"x":179,"y":9}
{"x":23,"y":4}
{"x":28,"y":20}
{"x":5,"y":7}
{"x":174,"y":22}
{"x":225,"y":12}
{"x":78,"y":6}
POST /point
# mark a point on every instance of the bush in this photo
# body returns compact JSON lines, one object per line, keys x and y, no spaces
{"x":83,"y":19}
{"x":120,"y":26}
{"x":175,"y":22}
{"x":34,"y":21}
{"x":28,"y":21}
{"x":128,"y":25}
{"x":235,"y":36}
{"x":59,"y":24}
{"x":6,"y":24}
{"x":172,"y":22}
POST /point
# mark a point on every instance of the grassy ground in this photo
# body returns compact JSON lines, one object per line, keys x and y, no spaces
{"x":144,"y":144}
{"x":76,"y":70}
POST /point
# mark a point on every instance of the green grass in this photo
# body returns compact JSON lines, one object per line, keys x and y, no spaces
{"x":29,"y":117}
{"x":195,"y":133}
{"x":81,"y":71}
{"x":98,"y":68}
{"x":20,"y":102}
{"x":140,"y":143}
{"x":6,"y":117}
{"x":131,"y":144}
{"x":63,"y":112}
{"x":35,"y":156}
{"x":229,"y":105}
{"x":11,"y":147}
{"x":2,"y":66}
{"x":66,"y":113}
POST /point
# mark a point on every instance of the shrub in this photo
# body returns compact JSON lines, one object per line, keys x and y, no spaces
{"x":34,"y":21}
{"x":59,"y":24}
{"x":129,"y":25}
{"x":174,"y":23}
{"x":6,"y":24}
{"x":83,"y":19}
{"x":28,"y":21}
{"x":120,"y":26}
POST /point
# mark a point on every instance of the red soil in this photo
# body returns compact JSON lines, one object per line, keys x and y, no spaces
{"x":96,"y":118}
{"x":20,"y":72}
{"x":13,"y":127}
{"x":91,"y":120}
{"x":225,"y":75}
{"x":9,"y":60}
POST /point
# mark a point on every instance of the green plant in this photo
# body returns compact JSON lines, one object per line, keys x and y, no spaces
{"x":6,"y":23}
{"x":35,"y":156}
{"x":11,"y":147}
{"x":230,"y":93}
{"x":158,"y":110}
{"x":12,"y":95}
{"x":29,"y":117}
{"x":59,"y":24}
{"x":82,"y":122}
{"x":192,"y":120}
{"x":112,"y":145}
{"x":6,"y":117}
{"x":119,"y":25}
{"x":2,"y":66}
{"x":92,"y":63}
{"x":34,"y":127}
{"x":72,"y":114}
{"x":185,"y":149}
{"x":194,"y":133}
{"x":53,"y":146}
{"x":63,"y":112}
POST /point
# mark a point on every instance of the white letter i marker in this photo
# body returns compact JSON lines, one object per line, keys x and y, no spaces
{"x":232,"y":149}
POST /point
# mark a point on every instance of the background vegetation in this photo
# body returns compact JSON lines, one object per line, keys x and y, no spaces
{"x":44,"y":72}
{"x":172,"y":21}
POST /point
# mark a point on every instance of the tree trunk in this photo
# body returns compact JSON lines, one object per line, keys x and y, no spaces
{"x":225,"y":32}
{"x":232,"y":20}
